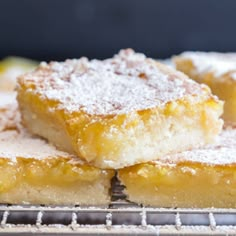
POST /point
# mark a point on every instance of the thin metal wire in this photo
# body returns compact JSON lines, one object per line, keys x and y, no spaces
{"x":109,"y":220}
{"x":178,"y":223}
{"x":39,"y":219}
{"x":74,"y":223}
{"x":4,"y":218}
{"x":143,"y":218}
{"x":212,"y":221}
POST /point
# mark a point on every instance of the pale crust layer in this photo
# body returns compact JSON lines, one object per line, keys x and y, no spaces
{"x":142,"y":111}
{"x":81,"y":193}
{"x":218,"y":71}
{"x":199,"y":178}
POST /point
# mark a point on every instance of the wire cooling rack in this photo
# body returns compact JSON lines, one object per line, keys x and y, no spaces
{"x":120,"y":218}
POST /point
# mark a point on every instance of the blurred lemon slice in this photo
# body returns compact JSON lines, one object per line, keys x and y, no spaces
{"x":10,"y":68}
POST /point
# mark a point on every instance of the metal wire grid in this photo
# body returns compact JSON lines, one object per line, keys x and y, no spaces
{"x":121,"y":217}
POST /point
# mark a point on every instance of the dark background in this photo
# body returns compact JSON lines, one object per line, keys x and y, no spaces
{"x":59,"y":29}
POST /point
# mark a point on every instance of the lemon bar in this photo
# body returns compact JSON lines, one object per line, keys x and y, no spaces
{"x":218,"y":71}
{"x":117,"y":112}
{"x":204,"y":177}
{"x":35,"y":172}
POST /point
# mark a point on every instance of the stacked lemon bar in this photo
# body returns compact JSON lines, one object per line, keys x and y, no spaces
{"x":33,"y":171}
{"x":200,"y":177}
{"x":204,"y":177}
{"x":127,"y":113}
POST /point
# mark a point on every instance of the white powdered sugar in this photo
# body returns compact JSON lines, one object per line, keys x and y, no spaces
{"x":222,"y":152}
{"x":127,"y":82}
{"x":217,"y":63}
{"x":17,"y":142}
{"x":20,"y":144}
{"x":7,"y":99}
{"x":233,"y":76}
{"x":9,"y":114}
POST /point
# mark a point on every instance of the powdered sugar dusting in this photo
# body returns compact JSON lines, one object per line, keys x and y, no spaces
{"x":218,"y":63}
{"x":15,"y":144}
{"x":129,"y":81}
{"x":234,"y":76}
{"x":222,"y":152}
{"x":7,"y":99}
{"x":9,"y":114}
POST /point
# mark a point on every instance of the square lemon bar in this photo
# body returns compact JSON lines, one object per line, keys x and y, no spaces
{"x":35,"y":172}
{"x":204,"y":177}
{"x":218,"y":71}
{"x":117,"y":112}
